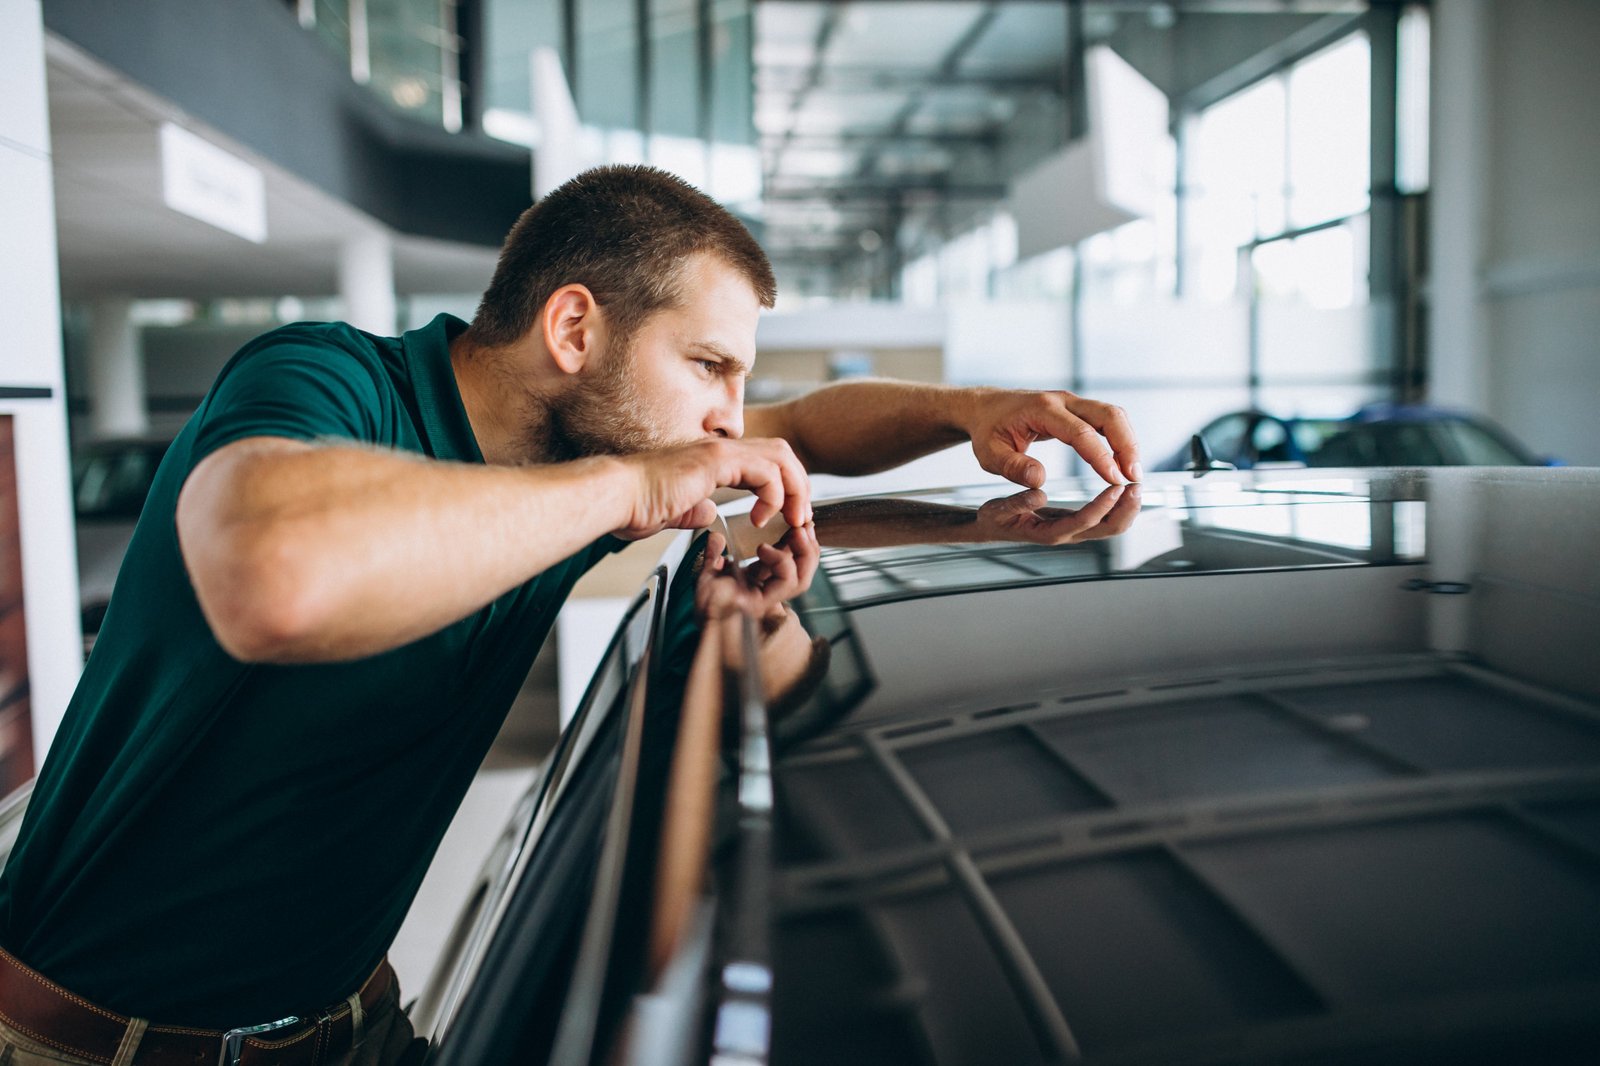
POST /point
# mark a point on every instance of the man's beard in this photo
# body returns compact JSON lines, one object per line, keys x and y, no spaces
{"x":607,"y":415}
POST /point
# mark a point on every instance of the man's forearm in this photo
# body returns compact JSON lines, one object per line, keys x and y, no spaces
{"x":862,"y":427}
{"x":307,"y":554}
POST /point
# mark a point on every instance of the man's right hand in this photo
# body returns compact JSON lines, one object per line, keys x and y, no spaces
{"x":675,"y":484}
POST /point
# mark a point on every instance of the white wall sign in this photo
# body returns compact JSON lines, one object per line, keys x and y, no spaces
{"x":204,"y":182}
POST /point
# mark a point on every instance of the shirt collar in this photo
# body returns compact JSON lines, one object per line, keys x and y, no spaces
{"x":433,"y":380}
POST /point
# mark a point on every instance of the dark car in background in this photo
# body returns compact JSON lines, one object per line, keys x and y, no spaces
{"x":110,"y":481}
{"x":1285,"y":766}
{"x":1376,"y":435}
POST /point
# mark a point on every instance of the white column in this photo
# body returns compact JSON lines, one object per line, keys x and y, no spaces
{"x":117,"y":405}
{"x":30,"y":363}
{"x":366,"y":281}
{"x":1461,"y":103}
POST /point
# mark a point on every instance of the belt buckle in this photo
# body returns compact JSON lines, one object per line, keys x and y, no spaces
{"x":233,"y":1039}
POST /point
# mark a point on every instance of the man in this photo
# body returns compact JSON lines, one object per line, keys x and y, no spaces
{"x":347,"y":562}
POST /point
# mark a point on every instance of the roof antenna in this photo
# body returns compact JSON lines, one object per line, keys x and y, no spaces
{"x":1200,"y":460}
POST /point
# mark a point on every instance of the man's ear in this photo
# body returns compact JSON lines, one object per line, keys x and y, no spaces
{"x":571,"y":327}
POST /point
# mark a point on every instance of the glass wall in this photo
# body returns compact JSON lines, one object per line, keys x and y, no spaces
{"x":512,"y":29}
{"x":605,"y":72}
{"x":414,"y":57}
{"x":407,"y":51}
{"x":669,"y":82}
{"x":1245,"y":285}
{"x":674,"y":88}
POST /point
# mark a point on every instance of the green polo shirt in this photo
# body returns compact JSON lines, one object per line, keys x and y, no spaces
{"x":219,"y":844}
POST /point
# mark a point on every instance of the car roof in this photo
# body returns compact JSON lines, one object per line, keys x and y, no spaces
{"x":1300,"y":764}
{"x":1409,"y":412}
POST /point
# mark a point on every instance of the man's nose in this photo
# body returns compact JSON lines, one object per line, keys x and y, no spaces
{"x":727,"y":418}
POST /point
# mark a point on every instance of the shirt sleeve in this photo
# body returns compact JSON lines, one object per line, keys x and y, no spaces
{"x":296,"y":390}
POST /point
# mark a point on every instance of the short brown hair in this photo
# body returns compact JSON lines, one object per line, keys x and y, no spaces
{"x":625,"y":233}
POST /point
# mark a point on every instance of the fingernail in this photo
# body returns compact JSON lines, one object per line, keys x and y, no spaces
{"x":1138,"y":471}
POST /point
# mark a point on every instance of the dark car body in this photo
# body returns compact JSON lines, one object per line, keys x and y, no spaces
{"x":1298,"y":767}
{"x":1291,"y":767}
{"x":110,"y":482}
{"x":1376,"y":435}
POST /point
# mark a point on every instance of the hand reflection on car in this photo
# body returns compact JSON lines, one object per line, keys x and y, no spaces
{"x":788,"y":654}
{"x":1026,"y":517}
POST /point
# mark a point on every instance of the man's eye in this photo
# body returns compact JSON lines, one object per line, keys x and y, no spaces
{"x":711,"y":365}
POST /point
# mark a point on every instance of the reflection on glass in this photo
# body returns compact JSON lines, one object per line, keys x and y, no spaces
{"x":1410,"y":529}
{"x":887,"y":550}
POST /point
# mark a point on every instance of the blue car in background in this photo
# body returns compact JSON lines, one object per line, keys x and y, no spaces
{"x":1379,"y":434}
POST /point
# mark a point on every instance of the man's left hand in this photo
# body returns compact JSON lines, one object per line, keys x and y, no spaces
{"x":1003,"y":423}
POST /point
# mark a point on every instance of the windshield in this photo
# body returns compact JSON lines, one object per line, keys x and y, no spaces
{"x":1446,"y":442}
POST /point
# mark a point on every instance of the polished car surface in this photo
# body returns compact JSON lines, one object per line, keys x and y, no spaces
{"x":1254,"y":767}
{"x":1289,"y":766}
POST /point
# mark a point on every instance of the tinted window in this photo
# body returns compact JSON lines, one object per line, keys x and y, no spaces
{"x":1225,"y":437}
{"x":1478,"y":447}
{"x":1382,"y":444}
{"x":1270,"y":442}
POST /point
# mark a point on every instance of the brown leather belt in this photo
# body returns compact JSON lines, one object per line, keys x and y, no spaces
{"x":48,"y":1014}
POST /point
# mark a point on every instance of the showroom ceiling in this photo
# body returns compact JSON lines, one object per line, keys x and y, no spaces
{"x":883,"y":120}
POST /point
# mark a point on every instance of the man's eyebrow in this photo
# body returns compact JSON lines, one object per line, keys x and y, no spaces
{"x":713,"y":348}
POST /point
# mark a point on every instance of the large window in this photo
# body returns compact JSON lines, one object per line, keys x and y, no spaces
{"x":1288,"y":153}
{"x":407,"y":51}
{"x":674,"y":88}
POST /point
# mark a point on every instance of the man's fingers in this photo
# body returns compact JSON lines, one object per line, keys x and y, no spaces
{"x":1010,"y":461}
{"x":1112,"y":423}
{"x":1082,"y":438}
{"x":1025,"y":471}
{"x":771,"y":471}
{"x":796,"y":487}
{"x":676,"y":483}
{"x":699,"y":516}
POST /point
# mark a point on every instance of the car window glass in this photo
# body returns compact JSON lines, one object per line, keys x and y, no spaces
{"x":1311,"y":434}
{"x":1270,"y":442}
{"x":1476,"y":447}
{"x":1403,"y":444}
{"x":114,"y":483}
{"x":1352,"y":446}
{"x":1225,"y":437}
